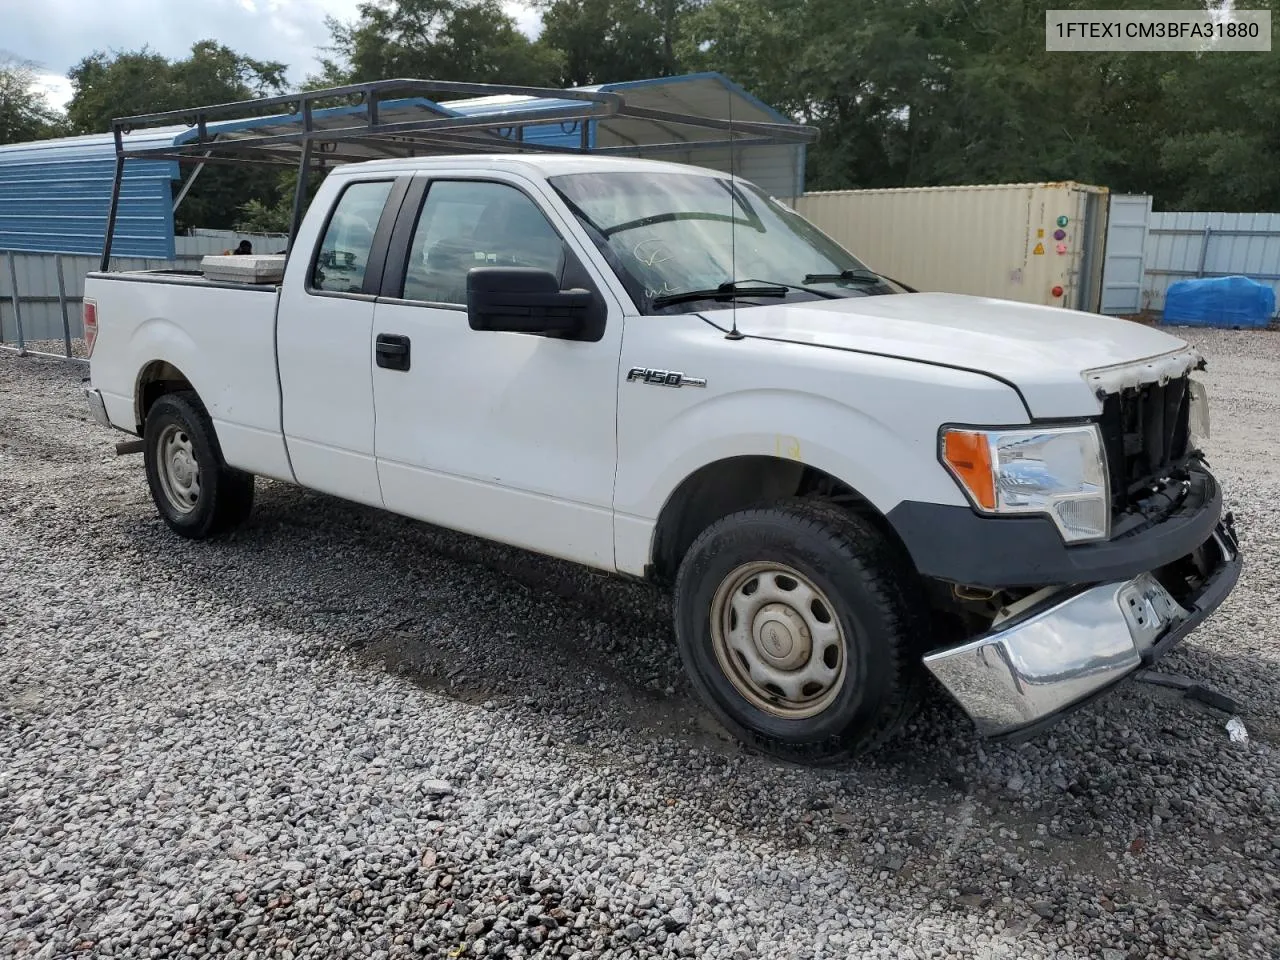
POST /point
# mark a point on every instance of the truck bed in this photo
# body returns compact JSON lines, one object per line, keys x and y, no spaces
{"x":218,"y":336}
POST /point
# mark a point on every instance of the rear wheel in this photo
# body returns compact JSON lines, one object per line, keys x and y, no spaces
{"x":798,"y":624}
{"x":197,"y":494}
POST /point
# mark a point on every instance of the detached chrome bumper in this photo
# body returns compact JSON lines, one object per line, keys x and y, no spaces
{"x":96,"y":408}
{"x":1060,"y":654}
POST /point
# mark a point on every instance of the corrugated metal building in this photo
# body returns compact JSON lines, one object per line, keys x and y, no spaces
{"x":54,"y":194}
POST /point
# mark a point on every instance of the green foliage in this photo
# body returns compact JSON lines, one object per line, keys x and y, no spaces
{"x":24,"y":112}
{"x":256,"y":216}
{"x":472,"y":41}
{"x":127,"y":83}
{"x":612,"y":40}
{"x":274,"y":215}
{"x":920,"y":92}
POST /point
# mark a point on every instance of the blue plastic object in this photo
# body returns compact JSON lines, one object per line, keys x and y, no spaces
{"x":1220,"y":302}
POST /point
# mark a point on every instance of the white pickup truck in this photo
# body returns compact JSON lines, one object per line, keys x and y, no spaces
{"x":658,"y":370}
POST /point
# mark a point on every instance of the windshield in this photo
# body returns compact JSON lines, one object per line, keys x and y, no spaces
{"x":670,"y":233}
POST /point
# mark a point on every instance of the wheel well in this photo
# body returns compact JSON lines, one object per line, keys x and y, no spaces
{"x":157,"y":378}
{"x":727,"y":486}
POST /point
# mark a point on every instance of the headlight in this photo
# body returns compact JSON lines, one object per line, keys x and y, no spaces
{"x":1198,"y":424}
{"x":1057,"y":471}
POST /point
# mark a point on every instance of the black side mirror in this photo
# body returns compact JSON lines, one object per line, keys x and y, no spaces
{"x":524,"y":300}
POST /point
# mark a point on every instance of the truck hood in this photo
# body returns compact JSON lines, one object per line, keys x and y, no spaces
{"x":1057,"y":359}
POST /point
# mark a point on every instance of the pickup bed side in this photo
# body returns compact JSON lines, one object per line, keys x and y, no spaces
{"x":155,"y":332}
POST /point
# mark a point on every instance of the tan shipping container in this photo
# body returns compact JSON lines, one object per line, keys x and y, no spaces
{"x":993,"y":240}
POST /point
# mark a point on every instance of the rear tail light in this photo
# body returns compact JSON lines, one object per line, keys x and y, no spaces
{"x":90,"y":325}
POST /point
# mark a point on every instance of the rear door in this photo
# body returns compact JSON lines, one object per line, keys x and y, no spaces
{"x":511,"y":436}
{"x":325,"y":333}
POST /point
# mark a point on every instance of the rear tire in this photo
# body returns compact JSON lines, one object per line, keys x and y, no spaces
{"x":799,"y":625}
{"x":196,"y":493}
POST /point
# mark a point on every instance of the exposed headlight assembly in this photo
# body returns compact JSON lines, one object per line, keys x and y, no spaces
{"x":1060,"y":472}
{"x":1199,"y":412}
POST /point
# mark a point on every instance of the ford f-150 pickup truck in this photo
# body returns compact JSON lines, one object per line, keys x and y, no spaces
{"x":660,"y":371}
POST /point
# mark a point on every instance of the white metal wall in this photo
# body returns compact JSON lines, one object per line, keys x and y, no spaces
{"x":1123,"y":274}
{"x":1206,"y":244}
{"x":778,"y":170}
{"x":990,"y":240}
{"x":37,"y":277}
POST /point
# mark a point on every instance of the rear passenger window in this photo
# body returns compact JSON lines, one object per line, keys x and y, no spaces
{"x":348,"y":239}
{"x":466,"y":224}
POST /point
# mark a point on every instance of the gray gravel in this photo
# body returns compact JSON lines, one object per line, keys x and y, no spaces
{"x":340,"y":733}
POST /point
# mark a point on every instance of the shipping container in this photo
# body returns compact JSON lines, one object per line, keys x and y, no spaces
{"x":1034,"y":242}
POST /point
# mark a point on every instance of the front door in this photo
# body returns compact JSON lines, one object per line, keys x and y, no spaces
{"x":510,"y":436}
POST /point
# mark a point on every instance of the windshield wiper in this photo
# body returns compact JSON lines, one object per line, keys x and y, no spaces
{"x":848,"y":276}
{"x":726,"y":291}
{"x":824,"y":294}
{"x":855,"y":276}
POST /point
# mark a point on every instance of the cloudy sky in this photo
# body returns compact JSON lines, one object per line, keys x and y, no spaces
{"x":55,"y":34}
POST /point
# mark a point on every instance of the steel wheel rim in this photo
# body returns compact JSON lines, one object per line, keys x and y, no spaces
{"x":778,"y":640}
{"x":178,"y":468}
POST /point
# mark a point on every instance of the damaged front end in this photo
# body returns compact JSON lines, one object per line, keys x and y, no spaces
{"x":1049,"y":624}
{"x":1060,"y":647}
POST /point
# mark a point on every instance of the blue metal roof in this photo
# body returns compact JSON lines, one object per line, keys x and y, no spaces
{"x":54,"y":194}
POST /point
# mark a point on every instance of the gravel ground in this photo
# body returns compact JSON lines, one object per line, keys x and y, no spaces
{"x":342,"y":733}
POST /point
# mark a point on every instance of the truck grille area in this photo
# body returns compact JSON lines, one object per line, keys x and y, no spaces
{"x":1146,"y":433}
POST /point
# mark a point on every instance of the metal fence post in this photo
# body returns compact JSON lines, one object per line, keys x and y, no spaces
{"x":17,"y":309}
{"x":62,"y":305}
{"x":1204,"y":250}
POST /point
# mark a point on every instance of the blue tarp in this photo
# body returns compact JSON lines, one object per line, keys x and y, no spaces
{"x":1220,"y":302}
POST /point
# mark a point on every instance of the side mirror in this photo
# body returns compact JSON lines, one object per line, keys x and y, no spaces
{"x":524,"y":300}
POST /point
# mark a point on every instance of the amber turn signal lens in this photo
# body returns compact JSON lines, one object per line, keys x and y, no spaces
{"x":968,"y":454}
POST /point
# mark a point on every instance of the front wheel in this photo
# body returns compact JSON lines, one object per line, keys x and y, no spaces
{"x":196,"y":493}
{"x":797,"y":625}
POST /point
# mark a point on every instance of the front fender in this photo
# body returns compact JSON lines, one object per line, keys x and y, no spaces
{"x":881,"y":463}
{"x":872,"y":423}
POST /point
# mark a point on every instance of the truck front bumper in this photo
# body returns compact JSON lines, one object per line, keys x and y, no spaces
{"x":1079,"y":643}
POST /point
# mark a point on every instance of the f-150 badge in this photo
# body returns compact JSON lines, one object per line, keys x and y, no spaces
{"x":664,"y":378}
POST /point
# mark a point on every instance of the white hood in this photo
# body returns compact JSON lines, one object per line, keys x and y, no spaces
{"x":1058,"y":359}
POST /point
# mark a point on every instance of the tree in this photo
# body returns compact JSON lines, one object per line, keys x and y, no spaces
{"x":472,"y":41}
{"x":257,"y":217}
{"x":920,"y":92}
{"x":612,"y":40}
{"x":106,"y":86}
{"x":128,"y":83}
{"x":24,"y":113}
{"x":1220,"y":154}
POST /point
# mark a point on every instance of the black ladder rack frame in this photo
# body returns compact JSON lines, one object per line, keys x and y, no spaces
{"x":439,"y":132}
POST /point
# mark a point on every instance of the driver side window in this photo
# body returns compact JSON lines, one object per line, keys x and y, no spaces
{"x":465,"y":224}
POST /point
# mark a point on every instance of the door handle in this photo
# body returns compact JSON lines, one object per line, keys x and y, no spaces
{"x":391,"y":351}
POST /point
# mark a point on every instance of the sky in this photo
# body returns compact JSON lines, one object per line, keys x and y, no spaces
{"x":56,"y":34}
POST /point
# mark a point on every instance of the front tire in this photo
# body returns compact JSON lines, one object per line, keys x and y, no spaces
{"x":798,"y":625}
{"x":194,"y":490}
